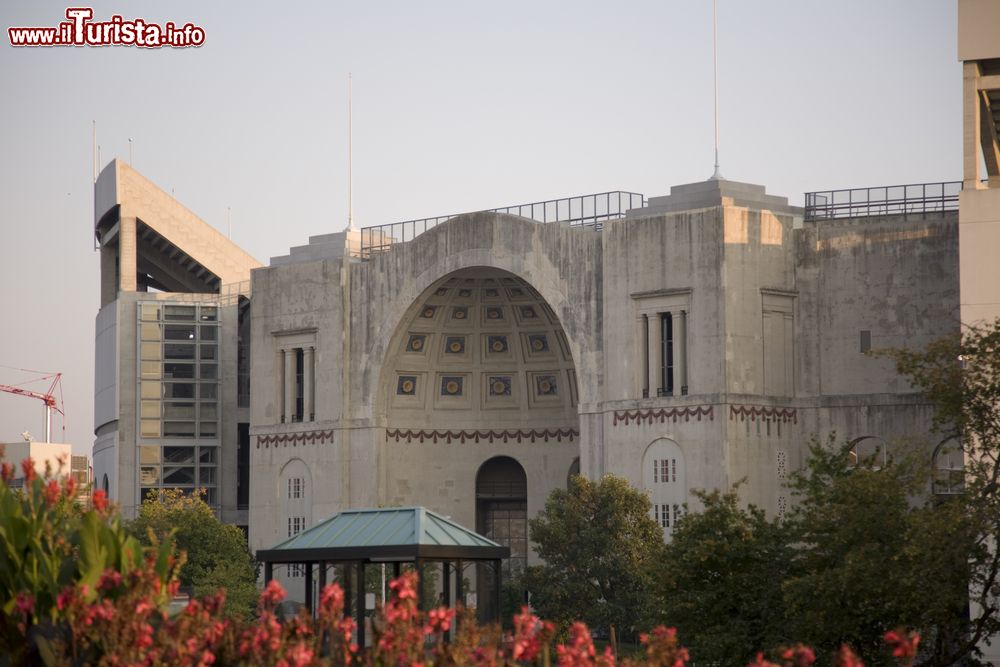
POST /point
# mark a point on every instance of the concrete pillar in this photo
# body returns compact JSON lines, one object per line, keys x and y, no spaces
{"x":308,"y":409}
{"x":279,"y":374}
{"x":654,"y":339}
{"x":289,"y":385}
{"x":641,"y":363}
{"x":109,"y":274}
{"x":680,"y":352}
{"x":126,"y":255}
{"x":971,"y":123}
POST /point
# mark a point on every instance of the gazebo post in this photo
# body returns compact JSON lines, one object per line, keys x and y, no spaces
{"x":496,"y":591}
{"x":322,"y":577}
{"x":268,"y":572}
{"x":420,"y":584}
{"x":446,"y":573}
{"x":347,"y":588}
{"x":360,"y":617}
{"x":395,"y":570}
{"x":459,"y":584}
{"x":309,"y":588}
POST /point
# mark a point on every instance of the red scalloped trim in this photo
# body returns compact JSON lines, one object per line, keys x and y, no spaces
{"x":765,"y":414}
{"x":300,"y":438}
{"x":519,"y":436}
{"x":673,"y":414}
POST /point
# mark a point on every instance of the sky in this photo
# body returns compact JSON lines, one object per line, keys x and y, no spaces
{"x":457,"y":106}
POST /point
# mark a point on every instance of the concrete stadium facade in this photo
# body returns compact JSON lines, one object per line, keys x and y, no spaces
{"x":695,"y":341}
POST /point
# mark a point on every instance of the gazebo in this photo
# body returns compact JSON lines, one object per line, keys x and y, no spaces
{"x":396,"y":535}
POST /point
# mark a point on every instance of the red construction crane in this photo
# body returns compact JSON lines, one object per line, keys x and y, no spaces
{"x":49,"y":398}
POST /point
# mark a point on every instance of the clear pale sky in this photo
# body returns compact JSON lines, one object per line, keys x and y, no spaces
{"x":458,"y":106}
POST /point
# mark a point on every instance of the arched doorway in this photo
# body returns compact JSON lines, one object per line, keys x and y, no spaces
{"x":478,"y":388}
{"x":502,"y":508}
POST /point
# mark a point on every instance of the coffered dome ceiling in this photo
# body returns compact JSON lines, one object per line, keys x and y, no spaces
{"x":480,"y":348}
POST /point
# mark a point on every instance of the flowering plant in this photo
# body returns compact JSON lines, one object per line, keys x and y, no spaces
{"x":76,"y":588}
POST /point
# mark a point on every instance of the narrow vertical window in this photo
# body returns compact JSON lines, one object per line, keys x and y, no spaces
{"x":645,"y":357}
{"x":665,"y":513}
{"x":667,"y":369}
{"x":299,"y":385}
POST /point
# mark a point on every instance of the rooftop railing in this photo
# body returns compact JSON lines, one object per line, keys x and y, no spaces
{"x":883,"y":200}
{"x":582,"y":211}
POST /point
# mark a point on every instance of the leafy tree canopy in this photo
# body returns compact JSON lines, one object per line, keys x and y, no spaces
{"x":721,"y":580}
{"x":217,"y":553}
{"x":601,"y":549}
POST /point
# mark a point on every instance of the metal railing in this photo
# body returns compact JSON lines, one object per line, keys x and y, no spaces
{"x":883,"y":200}
{"x":582,"y":211}
{"x":229,"y":294}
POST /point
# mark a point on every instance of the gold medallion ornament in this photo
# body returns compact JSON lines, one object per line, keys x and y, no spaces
{"x":459,"y":314}
{"x":451,"y":387}
{"x":416,"y":344}
{"x":499,"y":387}
{"x":538,"y":344}
{"x":428,"y":312}
{"x":455,"y":346}
{"x":407,"y":386}
{"x":498,"y":346}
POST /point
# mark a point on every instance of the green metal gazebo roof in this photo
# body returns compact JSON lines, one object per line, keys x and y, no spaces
{"x":394,"y":533}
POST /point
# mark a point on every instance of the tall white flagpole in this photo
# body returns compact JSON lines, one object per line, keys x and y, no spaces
{"x":350,"y":155}
{"x":717,"y":175}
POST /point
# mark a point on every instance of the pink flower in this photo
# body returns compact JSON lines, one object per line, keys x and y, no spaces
{"x":65,"y":598}
{"x":847,"y":658}
{"x":439,"y":620}
{"x":405,"y":586}
{"x":798,"y":656}
{"x":69,"y":486}
{"x":300,"y":655}
{"x":7,"y":472}
{"x":25,"y":604}
{"x":52,"y":492}
{"x":100,"y":501}
{"x":331,"y":599}
{"x":28,"y":466}
{"x":759,"y":661}
{"x":904,"y":644}
{"x":273,"y":594}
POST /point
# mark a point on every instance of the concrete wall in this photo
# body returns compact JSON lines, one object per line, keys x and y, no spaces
{"x":106,"y":367}
{"x":895,"y":277}
{"x":774,"y":310}
{"x":980,"y":237}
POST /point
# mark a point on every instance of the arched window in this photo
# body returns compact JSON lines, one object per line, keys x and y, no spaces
{"x":870,"y":452}
{"x":502,"y":508}
{"x":664,"y":479}
{"x":294,"y":488}
{"x":105,"y":485}
{"x":574,"y":470}
{"x":949,"y":468}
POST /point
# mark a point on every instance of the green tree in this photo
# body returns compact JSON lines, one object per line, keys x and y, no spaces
{"x":721,"y":580}
{"x":600,"y":549}
{"x":217,"y":554}
{"x":961,"y":375}
{"x":874,"y":552}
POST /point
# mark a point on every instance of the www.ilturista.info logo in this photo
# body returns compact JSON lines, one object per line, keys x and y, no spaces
{"x":79,"y":30}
